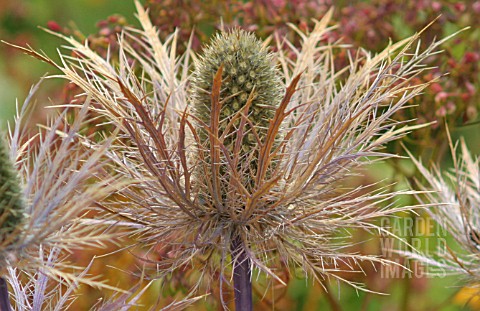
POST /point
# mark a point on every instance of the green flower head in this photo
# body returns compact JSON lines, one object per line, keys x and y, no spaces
{"x":248,"y":70}
{"x":11,"y":199}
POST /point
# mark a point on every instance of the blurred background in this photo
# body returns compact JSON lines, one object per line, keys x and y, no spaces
{"x":21,"y":23}
{"x":453,"y":100}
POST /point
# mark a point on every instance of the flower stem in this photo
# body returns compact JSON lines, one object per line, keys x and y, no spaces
{"x":242,"y":273}
{"x":4,"y":299}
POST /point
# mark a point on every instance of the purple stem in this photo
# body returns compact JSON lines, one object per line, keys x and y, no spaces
{"x":242,"y":273}
{"x":4,"y":298}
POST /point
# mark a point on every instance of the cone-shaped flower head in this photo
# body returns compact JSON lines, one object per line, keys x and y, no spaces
{"x":12,"y":206}
{"x":250,"y":84}
{"x":248,"y":72}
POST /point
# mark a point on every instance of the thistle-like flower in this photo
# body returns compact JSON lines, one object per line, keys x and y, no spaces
{"x":234,"y":174}
{"x":46,"y":186}
{"x":456,"y":199}
{"x":12,"y":207}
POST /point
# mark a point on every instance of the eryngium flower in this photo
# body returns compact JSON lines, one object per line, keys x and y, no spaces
{"x":11,"y":201}
{"x":455,"y":196}
{"x":294,"y":210}
{"x":250,"y":85}
{"x":59,"y":178}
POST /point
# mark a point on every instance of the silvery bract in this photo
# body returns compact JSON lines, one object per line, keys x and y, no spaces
{"x":455,"y":197}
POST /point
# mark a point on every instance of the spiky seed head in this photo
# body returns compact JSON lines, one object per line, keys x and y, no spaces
{"x":12,"y":205}
{"x":247,"y":67}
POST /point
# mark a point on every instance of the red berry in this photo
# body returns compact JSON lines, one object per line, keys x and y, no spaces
{"x":471,"y":57}
{"x":459,"y":6}
{"x":54,"y":26}
{"x":476,"y":7}
{"x":436,"y":6}
{"x":113,"y":19}
{"x":436,"y":87}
